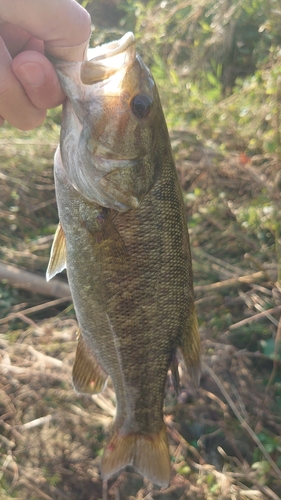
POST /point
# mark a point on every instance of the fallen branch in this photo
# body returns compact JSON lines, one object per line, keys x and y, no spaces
{"x":32,"y":282}
{"x":232,"y":282}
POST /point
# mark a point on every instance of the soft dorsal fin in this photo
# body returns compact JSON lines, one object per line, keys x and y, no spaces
{"x":88,"y":376}
{"x":190,"y":349}
{"x":175,"y":373}
{"x":57,"y":262}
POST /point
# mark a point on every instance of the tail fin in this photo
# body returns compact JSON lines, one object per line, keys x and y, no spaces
{"x":148,"y":454}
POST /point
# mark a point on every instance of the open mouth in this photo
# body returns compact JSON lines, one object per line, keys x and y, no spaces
{"x":106,"y":59}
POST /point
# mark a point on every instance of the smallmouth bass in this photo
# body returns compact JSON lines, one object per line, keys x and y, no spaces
{"x":123,"y":239}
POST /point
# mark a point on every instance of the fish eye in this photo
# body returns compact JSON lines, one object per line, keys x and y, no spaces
{"x":141,"y":105}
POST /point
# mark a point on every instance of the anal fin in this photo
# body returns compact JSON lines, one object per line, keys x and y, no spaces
{"x":88,"y":376}
{"x":149,"y":454}
{"x":190,"y":349}
{"x":57,"y":262}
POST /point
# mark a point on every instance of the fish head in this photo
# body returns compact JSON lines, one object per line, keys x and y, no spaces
{"x":111,"y":122}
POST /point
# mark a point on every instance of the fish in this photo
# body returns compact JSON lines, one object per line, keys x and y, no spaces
{"x":123,"y":239}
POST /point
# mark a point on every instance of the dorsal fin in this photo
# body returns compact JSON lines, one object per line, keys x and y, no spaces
{"x":88,"y":376}
{"x":57,"y":262}
{"x":190,"y":349}
{"x":175,"y":373}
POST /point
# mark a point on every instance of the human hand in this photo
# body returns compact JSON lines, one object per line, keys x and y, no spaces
{"x":28,"y":82}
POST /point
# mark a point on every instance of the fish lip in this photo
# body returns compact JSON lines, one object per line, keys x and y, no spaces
{"x":113,"y":48}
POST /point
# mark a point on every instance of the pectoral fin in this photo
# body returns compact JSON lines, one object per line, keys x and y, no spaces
{"x":57,"y":262}
{"x":190,"y":349}
{"x":88,"y":377}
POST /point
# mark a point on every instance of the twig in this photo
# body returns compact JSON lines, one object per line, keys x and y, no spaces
{"x":275,"y":359}
{"x":267,"y":491}
{"x":231,"y":283}
{"x":215,"y":398}
{"x":255,"y":317}
{"x":176,"y":436}
{"x":251,"y":494}
{"x":102,"y":403}
{"x":37,"y":422}
{"x":222,"y":263}
{"x":7,"y":367}
{"x":243,"y":423}
{"x":35,"y":489}
{"x":7,"y":442}
{"x":44,"y":359}
{"x":29,"y":485}
{"x":61,"y":493}
{"x":40,"y":307}
{"x":26,"y":320}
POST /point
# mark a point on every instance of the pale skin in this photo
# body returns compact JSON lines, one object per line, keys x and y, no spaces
{"x":29,"y":29}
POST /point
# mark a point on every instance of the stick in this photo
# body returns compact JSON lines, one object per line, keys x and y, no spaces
{"x":256,"y":317}
{"x":44,"y":359}
{"x":31,"y":310}
{"x":38,"y":422}
{"x":33,"y":282}
{"x":275,"y":360}
{"x":231,"y":283}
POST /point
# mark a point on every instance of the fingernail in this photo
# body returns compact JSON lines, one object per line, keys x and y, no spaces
{"x":32,"y":74}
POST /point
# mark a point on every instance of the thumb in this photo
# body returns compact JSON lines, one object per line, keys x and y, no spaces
{"x":38,"y":78}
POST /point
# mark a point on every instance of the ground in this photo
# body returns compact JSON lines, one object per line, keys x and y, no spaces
{"x":224,"y":436}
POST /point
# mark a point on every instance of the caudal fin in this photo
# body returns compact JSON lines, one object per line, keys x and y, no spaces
{"x":148,"y":454}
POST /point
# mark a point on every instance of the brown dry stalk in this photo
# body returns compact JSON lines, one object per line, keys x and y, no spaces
{"x":275,"y":359}
{"x":31,"y":310}
{"x":231,"y":283}
{"x":256,"y":317}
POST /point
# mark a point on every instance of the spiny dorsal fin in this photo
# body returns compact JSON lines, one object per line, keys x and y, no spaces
{"x":57,"y":262}
{"x":190,"y":349}
{"x":88,"y":377}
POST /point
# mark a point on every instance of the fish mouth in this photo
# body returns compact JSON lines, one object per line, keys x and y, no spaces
{"x":107,"y":59}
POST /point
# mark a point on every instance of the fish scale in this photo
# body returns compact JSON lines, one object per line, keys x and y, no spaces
{"x":123,"y":239}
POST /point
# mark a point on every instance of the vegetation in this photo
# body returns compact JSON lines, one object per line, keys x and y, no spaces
{"x":217,"y":64}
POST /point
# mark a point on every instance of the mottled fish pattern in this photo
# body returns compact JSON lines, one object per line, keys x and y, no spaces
{"x":123,"y":239}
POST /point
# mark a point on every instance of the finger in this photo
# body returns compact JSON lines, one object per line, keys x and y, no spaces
{"x":63,"y":25}
{"x":33,"y":44}
{"x":15,"y":106}
{"x":14,"y":37}
{"x":39,"y":79}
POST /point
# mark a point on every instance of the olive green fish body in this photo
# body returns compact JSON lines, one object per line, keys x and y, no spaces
{"x":129,"y":270}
